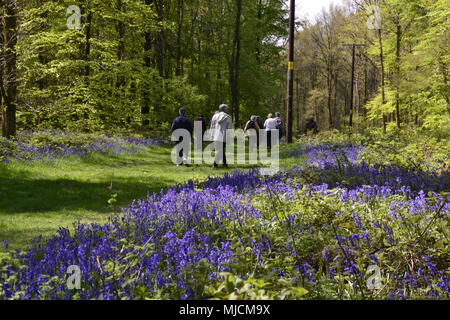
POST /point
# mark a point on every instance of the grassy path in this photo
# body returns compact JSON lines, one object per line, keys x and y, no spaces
{"x":38,"y":198}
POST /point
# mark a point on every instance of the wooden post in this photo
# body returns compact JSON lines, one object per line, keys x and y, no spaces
{"x":289,"y":116}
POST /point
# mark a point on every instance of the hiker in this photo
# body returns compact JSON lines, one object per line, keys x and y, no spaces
{"x":259,"y":122}
{"x":210,"y":121}
{"x":279,"y":125}
{"x":220,"y":123}
{"x":311,"y":125}
{"x":251,"y":124}
{"x":269,"y":125}
{"x":182,"y":122}
{"x":251,"y":129}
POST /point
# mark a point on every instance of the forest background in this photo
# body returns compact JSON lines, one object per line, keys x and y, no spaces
{"x":133,"y":63}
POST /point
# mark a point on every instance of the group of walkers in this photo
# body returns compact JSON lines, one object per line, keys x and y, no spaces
{"x":253,"y":126}
{"x":221,"y":122}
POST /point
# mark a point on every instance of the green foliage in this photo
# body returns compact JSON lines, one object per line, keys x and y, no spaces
{"x":424,"y":154}
{"x":131,"y":55}
{"x":410,"y":53}
{"x":421,"y":149}
{"x":417,"y":56}
{"x":235,"y":288}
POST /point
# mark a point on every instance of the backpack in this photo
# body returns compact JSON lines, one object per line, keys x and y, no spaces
{"x":250,"y":128}
{"x":280,"y":128}
{"x":279,"y":125}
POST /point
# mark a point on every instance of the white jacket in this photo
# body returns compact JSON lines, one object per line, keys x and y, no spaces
{"x":220,"y":123}
{"x":271,"y":124}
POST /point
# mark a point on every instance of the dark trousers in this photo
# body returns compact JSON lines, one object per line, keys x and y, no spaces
{"x":182,"y":153}
{"x":220,"y":152}
{"x":269,"y":140}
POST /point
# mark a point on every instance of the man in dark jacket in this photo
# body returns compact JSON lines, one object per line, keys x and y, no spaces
{"x":311,"y":125}
{"x":259,"y":122}
{"x":182,"y":122}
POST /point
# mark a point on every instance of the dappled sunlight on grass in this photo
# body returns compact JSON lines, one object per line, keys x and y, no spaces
{"x":39,"y":197}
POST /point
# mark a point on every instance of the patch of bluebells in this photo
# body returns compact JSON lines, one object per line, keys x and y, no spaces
{"x":144,"y":142}
{"x":240,"y":180}
{"x":172,"y":244}
{"x":321,"y":154}
{"x":339,"y":165}
{"x":50,"y":146}
{"x":392,"y":176}
{"x":171,"y":233}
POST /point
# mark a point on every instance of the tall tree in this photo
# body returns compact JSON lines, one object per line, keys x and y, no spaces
{"x":8,"y":85}
{"x":2,"y":64}
{"x":397,"y":71}
{"x":160,"y":38}
{"x":148,"y":45}
{"x":86,"y":47}
{"x":235,"y":65}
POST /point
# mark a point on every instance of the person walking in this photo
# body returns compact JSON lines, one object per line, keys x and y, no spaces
{"x":279,"y":125}
{"x":251,"y":124}
{"x":220,"y":123}
{"x":182,"y":122}
{"x":311,"y":125}
{"x":251,"y":129}
{"x":259,"y":122}
{"x":270,"y":125}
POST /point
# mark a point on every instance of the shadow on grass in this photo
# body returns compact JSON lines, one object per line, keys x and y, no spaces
{"x":23,"y":194}
{"x":27,"y":189}
{"x":9,"y":172}
{"x":20,"y":195}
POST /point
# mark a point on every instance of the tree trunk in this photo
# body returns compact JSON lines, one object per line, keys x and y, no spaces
{"x":121,"y":33}
{"x":235,"y":64}
{"x":148,"y":45}
{"x":366,"y":90}
{"x":258,"y":39}
{"x":352,"y":86}
{"x":2,"y":60}
{"x":299,"y":113}
{"x":9,"y":83}
{"x":179,"y":68}
{"x":87,"y":45}
{"x":160,"y":39}
{"x":42,"y":83}
{"x":397,"y":67}
{"x":121,"y":45}
{"x":160,"y":48}
{"x":330,"y":95}
{"x":335,"y":100}
{"x":383,"y":80}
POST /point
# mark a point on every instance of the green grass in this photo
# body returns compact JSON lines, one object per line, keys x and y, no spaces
{"x":38,"y":198}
